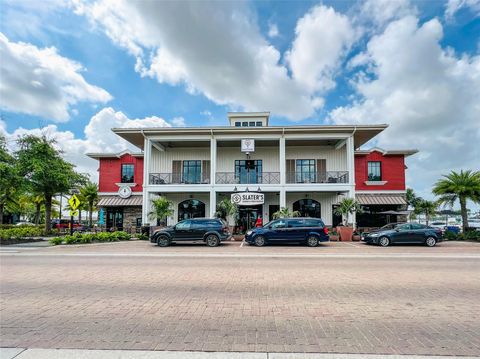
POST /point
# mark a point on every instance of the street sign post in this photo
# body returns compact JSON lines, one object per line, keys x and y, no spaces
{"x":74,"y":203}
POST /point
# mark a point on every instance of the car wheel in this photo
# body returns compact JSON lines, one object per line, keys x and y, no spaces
{"x":312,"y":241}
{"x":430,"y":242}
{"x":163,"y":241}
{"x":384,"y":241}
{"x":260,"y":241}
{"x":212,"y":240}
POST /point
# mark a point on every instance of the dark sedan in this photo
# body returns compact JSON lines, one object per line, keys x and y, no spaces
{"x":404,"y":233}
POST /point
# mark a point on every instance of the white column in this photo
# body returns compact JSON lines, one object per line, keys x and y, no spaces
{"x":213,"y":203}
{"x":351,"y":175}
{"x":350,"y":160}
{"x":146,"y":180}
{"x":213,"y":160}
{"x":282,"y":161}
{"x":283,"y":198}
{"x":283,"y":173}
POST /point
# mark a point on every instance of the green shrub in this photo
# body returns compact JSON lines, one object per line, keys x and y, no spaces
{"x":91,"y":237}
{"x":56,"y":241}
{"x":450,"y":236}
{"x":122,"y":236}
{"x":21,"y":232}
{"x":142,"y":237}
{"x":470,"y":236}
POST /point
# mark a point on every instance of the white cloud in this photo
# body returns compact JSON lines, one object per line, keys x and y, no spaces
{"x":178,"y":122}
{"x":272,"y":30}
{"x":218,"y":51}
{"x":98,"y":137}
{"x":41,"y":82}
{"x":453,"y":6}
{"x":323,"y":37}
{"x":428,"y":95}
{"x":380,"y":12}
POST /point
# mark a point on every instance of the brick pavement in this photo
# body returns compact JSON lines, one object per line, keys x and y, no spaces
{"x":330,"y":305}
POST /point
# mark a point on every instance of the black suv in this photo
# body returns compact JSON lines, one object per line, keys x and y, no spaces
{"x":209,"y":230}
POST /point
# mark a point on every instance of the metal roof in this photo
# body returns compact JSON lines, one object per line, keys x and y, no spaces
{"x":369,"y":199}
{"x":116,"y":201}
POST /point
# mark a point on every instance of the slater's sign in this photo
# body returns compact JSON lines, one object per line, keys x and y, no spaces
{"x":247,"y":198}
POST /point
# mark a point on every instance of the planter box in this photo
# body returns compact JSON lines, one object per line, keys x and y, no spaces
{"x":346,"y":233}
{"x":334,"y":237}
{"x":238,"y":237}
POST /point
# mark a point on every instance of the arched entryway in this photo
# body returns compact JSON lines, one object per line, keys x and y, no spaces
{"x":191,"y":208}
{"x":308,"y":208}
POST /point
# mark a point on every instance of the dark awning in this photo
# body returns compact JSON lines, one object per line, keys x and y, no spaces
{"x":116,"y":201}
{"x":381,"y":199}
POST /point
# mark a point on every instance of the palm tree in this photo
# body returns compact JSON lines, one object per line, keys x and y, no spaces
{"x":461,"y":186}
{"x":284,"y":212}
{"x":89,"y":193}
{"x":162,"y":208}
{"x":347,"y":206}
{"x":225,"y":209}
{"x":427,"y":208}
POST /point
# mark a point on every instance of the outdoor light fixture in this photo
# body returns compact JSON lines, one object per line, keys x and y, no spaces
{"x":247,"y":190}
{"x":259,"y":190}
{"x":235,"y":189}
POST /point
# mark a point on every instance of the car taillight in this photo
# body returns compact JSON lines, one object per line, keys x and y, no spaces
{"x":325,"y":230}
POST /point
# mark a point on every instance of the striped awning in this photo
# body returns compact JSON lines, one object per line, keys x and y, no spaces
{"x":116,"y":201}
{"x":381,"y":198}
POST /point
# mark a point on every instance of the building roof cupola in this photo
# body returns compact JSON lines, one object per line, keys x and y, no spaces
{"x":248,"y":119}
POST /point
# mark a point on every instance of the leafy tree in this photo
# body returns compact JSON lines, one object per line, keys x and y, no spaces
{"x":459,"y":186}
{"x":46,"y":172}
{"x":89,"y":194}
{"x":347,"y":206}
{"x":427,"y":208}
{"x":411,"y":197}
{"x":10,"y":181}
{"x":162,"y":208}
{"x":284,"y":212}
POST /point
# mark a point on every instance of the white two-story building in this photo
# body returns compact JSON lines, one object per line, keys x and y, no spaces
{"x":304,"y":168}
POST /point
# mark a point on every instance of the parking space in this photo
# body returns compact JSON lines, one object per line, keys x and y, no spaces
{"x":243,"y":248}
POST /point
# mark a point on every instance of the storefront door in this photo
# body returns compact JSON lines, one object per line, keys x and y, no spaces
{"x":247,"y":217}
{"x":115,"y":218}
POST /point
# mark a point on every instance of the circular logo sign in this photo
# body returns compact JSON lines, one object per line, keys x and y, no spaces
{"x":236,"y":198}
{"x":125,"y":191}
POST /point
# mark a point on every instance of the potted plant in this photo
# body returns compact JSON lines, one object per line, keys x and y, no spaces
{"x":162,"y":208}
{"x":334,"y":235}
{"x":347,"y":206}
{"x":284,"y":212}
{"x":228,"y":211}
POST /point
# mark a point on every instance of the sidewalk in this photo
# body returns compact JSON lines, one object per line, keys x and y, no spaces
{"x":19,"y":353}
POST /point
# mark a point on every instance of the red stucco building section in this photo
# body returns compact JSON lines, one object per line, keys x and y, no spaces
{"x":393,"y":171}
{"x":110,"y":172}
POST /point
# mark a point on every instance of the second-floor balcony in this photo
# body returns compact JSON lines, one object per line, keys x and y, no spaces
{"x":251,"y":178}
{"x":248,"y":178}
{"x":317,"y":177}
{"x":177,"y":178}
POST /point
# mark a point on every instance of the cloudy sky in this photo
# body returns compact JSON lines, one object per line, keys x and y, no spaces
{"x":73,"y":69}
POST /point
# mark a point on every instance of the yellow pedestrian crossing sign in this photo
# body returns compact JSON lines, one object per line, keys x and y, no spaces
{"x":74,"y":213}
{"x":74,"y":202}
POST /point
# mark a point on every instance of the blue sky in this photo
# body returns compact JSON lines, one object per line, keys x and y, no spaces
{"x":413,"y":65}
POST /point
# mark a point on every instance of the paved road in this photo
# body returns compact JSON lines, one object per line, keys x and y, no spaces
{"x":341,"y":298}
